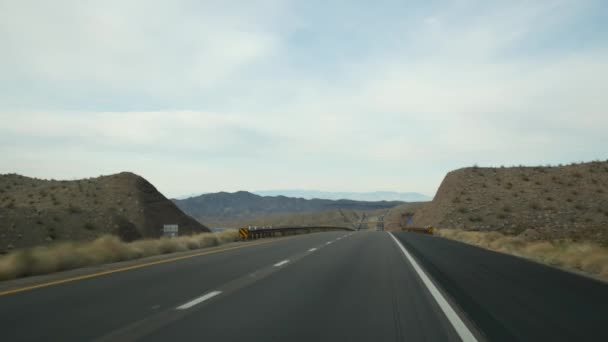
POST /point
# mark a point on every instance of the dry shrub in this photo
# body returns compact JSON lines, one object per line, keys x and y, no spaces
{"x":9,"y":266}
{"x":105,"y":249}
{"x":588,"y":257}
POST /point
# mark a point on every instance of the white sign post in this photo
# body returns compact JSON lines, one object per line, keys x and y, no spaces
{"x":170,"y":230}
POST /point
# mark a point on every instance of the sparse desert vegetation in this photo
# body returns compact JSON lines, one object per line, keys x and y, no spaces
{"x":347,"y":218}
{"x":588,"y":257}
{"x":105,"y":249}
{"x":41,"y":212}
{"x":560,"y":202}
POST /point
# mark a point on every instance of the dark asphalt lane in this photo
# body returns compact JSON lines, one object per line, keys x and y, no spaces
{"x":512,"y":299}
{"x":357,"y":289}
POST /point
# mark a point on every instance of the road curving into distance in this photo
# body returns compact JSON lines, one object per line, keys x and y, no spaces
{"x":335,"y":286}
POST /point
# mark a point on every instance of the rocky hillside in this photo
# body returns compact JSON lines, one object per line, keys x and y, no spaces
{"x":224,"y":208}
{"x":35,"y":211}
{"x":546,"y":202}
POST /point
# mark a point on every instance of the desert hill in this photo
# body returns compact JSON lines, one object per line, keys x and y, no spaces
{"x":232,"y":209}
{"x":544,"y":202}
{"x":35,"y":211}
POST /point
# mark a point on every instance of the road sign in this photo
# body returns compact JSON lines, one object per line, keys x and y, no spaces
{"x":170,"y":230}
{"x":244,"y":233}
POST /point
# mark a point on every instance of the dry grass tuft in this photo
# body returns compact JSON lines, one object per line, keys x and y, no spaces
{"x":106,"y":249}
{"x":588,"y":257}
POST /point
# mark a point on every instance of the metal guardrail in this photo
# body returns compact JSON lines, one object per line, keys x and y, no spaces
{"x":266,"y":232}
{"x":422,"y":230}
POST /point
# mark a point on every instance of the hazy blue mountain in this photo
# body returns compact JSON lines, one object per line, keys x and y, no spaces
{"x":356,"y":196}
{"x":223,"y":206}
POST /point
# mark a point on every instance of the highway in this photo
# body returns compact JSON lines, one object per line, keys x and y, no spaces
{"x":337,"y":286}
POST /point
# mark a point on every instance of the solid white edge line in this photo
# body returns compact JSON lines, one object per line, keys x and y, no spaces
{"x":461,"y":328}
{"x":281,"y":263}
{"x":198,"y":300}
{"x":312,"y":249}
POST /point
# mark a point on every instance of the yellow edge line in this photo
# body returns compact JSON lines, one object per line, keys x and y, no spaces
{"x":123,"y":269}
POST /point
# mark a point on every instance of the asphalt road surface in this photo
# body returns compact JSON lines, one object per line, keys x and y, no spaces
{"x":364,"y":286}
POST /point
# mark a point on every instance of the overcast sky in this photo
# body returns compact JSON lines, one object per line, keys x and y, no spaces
{"x":203,"y":96}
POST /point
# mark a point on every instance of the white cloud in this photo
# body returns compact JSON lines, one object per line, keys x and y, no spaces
{"x":220,"y":95}
{"x":134,"y":46}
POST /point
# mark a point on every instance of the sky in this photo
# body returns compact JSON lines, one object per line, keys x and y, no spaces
{"x":205,"y":96}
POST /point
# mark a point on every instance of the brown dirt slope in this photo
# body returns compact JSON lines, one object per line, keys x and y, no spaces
{"x":541,"y":202}
{"x":363,"y":219}
{"x":393,"y":219}
{"x":35,"y":211}
{"x":338,"y":218}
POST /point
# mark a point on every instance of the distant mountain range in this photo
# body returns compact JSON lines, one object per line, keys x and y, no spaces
{"x":223,"y":208}
{"x":373,"y":196}
{"x":357,"y":196}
